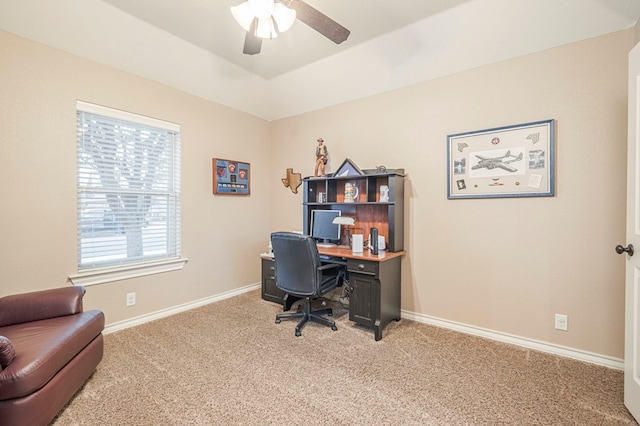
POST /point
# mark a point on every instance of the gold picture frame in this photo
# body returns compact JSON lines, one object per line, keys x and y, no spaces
{"x":231,"y":177}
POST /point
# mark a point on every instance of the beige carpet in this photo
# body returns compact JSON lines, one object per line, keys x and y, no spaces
{"x":228,"y":363}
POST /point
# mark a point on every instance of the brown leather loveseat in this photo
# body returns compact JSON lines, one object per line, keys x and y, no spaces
{"x":49,"y":349}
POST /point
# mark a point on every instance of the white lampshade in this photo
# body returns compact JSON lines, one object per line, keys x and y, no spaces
{"x":283,"y":16}
{"x":243,"y":15}
{"x":344,"y":220}
{"x":265,"y":12}
{"x":266,"y":29}
{"x":261,"y":9}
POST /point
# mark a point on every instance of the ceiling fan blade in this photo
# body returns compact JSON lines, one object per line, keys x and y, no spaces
{"x":252,"y":43}
{"x":320,"y":22}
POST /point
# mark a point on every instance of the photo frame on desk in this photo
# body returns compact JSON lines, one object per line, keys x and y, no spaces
{"x":510,"y":161}
{"x":231,"y":177}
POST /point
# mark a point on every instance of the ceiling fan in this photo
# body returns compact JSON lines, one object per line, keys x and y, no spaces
{"x":261,"y":17}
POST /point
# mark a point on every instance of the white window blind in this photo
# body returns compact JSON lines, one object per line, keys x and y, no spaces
{"x":128,"y":188}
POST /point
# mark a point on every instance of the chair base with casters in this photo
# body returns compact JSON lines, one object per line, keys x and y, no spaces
{"x":306,"y":314}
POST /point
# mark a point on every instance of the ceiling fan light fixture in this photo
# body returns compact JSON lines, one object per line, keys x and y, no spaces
{"x":265,"y":28}
{"x":261,"y":9}
{"x":283,"y":16}
{"x":243,"y":15}
{"x":265,"y":18}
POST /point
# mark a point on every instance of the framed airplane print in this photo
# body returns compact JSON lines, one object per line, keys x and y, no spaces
{"x":231,"y":177}
{"x":511,"y":161}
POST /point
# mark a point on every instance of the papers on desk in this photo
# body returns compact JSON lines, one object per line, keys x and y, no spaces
{"x":266,"y":255}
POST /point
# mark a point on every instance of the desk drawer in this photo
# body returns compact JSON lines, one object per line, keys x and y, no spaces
{"x":362,"y":266}
{"x":270,"y":291}
{"x":268,"y":268}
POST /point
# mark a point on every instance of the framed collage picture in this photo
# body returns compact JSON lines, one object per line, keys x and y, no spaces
{"x":231,"y":177}
{"x":511,"y":161}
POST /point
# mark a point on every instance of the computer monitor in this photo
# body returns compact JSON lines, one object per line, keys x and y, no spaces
{"x":322,"y":227}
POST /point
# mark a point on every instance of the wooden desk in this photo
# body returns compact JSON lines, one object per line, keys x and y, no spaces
{"x":343,"y":251}
{"x":373,"y":280}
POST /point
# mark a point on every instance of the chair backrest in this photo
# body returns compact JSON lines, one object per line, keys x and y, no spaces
{"x":297,"y":263}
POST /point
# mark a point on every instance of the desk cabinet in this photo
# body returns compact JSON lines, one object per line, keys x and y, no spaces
{"x":374,"y":296}
{"x":269,"y":290}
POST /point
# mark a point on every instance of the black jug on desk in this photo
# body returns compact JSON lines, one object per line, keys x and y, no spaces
{"x":373,"y":240}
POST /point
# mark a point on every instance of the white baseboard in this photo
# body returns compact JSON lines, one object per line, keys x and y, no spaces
{"x":176,"y":309}
{"x":580,"y":355}
{"x":593,"y":358}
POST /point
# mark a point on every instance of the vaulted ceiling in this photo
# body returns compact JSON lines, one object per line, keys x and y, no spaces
{"x":196,"y":45}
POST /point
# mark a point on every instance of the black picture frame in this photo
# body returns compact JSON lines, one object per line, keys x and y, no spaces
{"x":348,"y":168}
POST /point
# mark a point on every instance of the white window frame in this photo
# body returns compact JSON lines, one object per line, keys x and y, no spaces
{"x":126,"y":269}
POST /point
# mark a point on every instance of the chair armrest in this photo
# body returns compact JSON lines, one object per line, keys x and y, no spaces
{"x":331,"y":266}
{"x":39,"y":305}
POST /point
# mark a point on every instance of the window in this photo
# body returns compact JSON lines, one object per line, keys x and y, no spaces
{"x":128,"y":189}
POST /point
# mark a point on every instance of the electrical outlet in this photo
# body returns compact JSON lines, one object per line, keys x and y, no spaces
{"x":131,"y":299}
{"x":562,"y":322}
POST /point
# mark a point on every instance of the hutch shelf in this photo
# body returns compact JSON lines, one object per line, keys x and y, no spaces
{"x":366,"y":208}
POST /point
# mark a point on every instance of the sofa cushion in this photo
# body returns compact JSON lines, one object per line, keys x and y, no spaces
{"x":43,"y":348}
{"x":7,"y":352}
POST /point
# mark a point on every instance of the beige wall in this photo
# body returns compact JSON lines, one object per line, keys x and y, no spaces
{"x":222,"y":236}
{"x":506,"y":265}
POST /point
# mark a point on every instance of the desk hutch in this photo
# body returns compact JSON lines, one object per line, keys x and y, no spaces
{"x":368,"y":211}
{"x":374,"y":280}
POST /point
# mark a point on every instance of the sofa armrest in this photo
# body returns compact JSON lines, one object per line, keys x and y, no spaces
{"x":39,"y":305}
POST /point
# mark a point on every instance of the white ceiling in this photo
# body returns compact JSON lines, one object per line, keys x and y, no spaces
{"x":196,"y":46}
{"x":208,"y":24}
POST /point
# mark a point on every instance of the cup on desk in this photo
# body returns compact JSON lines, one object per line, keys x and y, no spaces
{"x":357,"y":243}
{"x":381,"y":244}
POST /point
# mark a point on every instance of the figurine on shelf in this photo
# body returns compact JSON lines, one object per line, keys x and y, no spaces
{"x":322,"y":155}
{"x":384,"y":193}
{"x":350,"y":192}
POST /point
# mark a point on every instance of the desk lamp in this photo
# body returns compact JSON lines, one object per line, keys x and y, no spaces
{"x":346,"y":221}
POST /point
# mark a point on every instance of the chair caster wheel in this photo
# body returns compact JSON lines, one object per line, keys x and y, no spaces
{"x":277,"y":321}
{"x":330,"y":314}
{"x":298,"y":334}
{"x":334,"y":328}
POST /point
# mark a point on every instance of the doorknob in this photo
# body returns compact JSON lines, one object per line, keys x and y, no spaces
{"x":628,"y":249}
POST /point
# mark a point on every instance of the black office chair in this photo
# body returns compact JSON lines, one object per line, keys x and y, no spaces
{"x":300,"y":273}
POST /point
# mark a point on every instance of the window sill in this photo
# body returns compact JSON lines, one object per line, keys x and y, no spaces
{"x":101,"y":276}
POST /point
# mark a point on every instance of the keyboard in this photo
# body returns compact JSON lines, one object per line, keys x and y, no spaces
{"x":330,"y":259}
